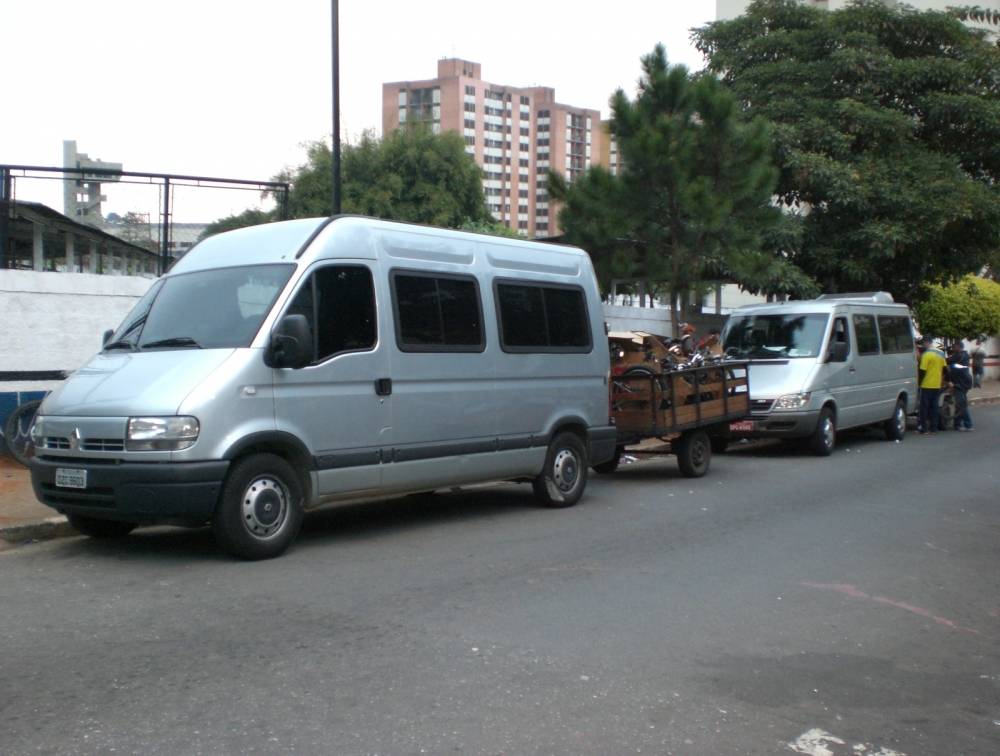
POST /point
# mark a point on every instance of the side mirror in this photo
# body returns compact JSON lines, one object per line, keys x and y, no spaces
{"x":291,"y":344}
{"x":838,"y":352}
{"x":107,"y":337}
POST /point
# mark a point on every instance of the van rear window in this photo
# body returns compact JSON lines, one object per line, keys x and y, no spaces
{"x":896,"y":333}
{"x":540,"y":318}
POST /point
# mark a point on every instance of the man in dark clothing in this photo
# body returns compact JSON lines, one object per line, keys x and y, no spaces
{"x":978,"y":365}
{"x":961,"y":381}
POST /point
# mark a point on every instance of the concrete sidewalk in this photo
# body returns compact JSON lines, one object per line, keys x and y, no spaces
{"x":23,"y":519}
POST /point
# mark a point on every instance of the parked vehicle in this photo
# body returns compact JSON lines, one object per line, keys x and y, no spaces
{"x":823,"y":365}
{"x":279,"y":367}
{"x":684,"y":400}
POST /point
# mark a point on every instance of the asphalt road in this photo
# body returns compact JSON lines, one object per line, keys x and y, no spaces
{"x":781,"y":602}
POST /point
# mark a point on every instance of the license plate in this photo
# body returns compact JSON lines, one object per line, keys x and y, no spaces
{"x":742,"y":426}
{"x":68,"y":477}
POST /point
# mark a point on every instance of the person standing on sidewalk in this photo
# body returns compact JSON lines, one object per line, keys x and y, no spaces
{"x":931,"y":374}
{"x":978,"y":365}
{"x":961,"y":382}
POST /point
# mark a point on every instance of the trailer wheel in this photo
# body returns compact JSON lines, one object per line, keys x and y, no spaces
{"x":562,"y":480}
{"x":694,"y":453}
{"x":606,"y":468}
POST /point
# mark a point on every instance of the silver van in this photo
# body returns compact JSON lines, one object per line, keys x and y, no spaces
{"x":839,"y":361}
{"x":279,"y":367}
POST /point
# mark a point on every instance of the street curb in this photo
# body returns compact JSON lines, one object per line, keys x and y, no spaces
{"x":43,"y":530}
{"x":984,"y":400}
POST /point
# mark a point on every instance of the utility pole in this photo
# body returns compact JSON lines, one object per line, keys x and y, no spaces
{"x":335,"y":39}
{"x":5,"y":206}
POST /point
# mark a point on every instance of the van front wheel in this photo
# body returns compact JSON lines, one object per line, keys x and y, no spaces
{"x":824,"y":438}
{"x":260,"y":510}
{"x":562,"y":480}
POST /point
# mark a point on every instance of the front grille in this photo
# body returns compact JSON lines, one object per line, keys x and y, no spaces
{"x":55,"y":442}
{"x":761,"y":405}
{"x":103,"y":444}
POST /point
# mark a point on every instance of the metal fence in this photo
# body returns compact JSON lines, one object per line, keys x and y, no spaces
{"x":140,"y":237}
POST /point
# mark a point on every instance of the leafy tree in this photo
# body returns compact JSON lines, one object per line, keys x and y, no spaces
{"x":693,"y":201}
{"x":250,"y":217}
{"x":966,"y":309}
{"x":490,"y":227}
{"x":411,"y":175}
{"x":887,"y":123}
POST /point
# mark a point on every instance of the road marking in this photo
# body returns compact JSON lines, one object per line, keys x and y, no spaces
{"x":854,"y":592}
{"x":817,"y":742}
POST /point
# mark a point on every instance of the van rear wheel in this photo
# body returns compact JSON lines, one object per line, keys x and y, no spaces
{"x":260,"y":510}
{"x":562,"y":480}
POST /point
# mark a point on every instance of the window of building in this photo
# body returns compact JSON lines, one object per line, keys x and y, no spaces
{"x":338,"y":301}
{"x":543,"y":114}
{"x":470,"y":123}
{"x":542,"y":318}
{"x":469,"y":107}
{"x":437,"y":312}
{"x":525,"y":100}
{"x":865,"y":334}
{"x":470,"y":140}
{"x":525,"y":131}
{"x":469,"y":89}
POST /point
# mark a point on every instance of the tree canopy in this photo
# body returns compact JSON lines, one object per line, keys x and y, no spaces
{"x":410,"y":175}
{"x":965,"y":309}
{"x":693,"y":200}
{"x":887,"y":122}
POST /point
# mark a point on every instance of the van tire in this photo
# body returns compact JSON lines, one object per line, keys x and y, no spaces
{"x":824,"y":438}
{"x":564,"y":477}
{"x":246,"y":524}
{"x":606,"y":468}
{"x":694,"y":453}
{"x":895,"y":426}
{"x":96,"y":528}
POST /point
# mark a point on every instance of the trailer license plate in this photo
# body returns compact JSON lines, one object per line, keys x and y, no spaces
{"x":68,"y":477}
{"x":741,"y":426}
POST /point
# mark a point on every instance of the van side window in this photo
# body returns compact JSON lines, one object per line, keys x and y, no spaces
{"x":864,"y":332}
{"x":840,"y":333}
{"x":896,"y":334}
{"x":542,"y":318}
{"x":339,"y":303}
{"x":437,"y":312}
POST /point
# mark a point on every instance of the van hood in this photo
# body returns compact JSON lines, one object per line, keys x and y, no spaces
{"x":120,"y":384}
{"x":770,"y":379}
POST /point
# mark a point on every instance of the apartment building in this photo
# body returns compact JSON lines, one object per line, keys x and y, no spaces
{"x":516,"y":134}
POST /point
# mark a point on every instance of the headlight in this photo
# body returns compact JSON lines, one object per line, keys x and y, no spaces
{"x":161,"y":433}
{"x":792,"y":401}
{"x":36,"y":432}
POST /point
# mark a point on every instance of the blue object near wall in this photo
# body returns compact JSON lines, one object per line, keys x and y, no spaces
{"x":10,"y":401}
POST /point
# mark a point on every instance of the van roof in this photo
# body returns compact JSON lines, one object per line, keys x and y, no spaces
{"x":820,"y":305}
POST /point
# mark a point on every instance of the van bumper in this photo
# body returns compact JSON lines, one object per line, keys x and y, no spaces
{"x":184,"y":492}
{"x":777,"y":425}
{"x":602,"y":441}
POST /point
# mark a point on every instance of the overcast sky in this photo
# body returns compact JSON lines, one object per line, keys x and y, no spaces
{"x":232,"y":88}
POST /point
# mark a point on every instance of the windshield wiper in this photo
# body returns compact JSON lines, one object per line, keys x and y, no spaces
{"x":120,"y":344}
{"x":176,"y":341}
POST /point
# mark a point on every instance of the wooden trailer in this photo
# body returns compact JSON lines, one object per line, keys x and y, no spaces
{"x":651,"y":399}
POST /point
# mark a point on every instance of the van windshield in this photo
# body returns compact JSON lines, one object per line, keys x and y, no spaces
{"x":775,"y":336}
{"x":208,"y":309}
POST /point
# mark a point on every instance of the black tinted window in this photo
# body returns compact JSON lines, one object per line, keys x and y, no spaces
{"x":896,"y":333}
{"x":339,"y":303}
{"x":437,"y":313}
{"x":543,"y":318}
{"x":864,"y":332}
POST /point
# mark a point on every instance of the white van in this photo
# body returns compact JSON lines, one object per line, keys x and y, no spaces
{"x":282,"y":366}
{"x":839,"y":361}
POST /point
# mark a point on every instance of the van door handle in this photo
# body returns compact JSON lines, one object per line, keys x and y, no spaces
{"x":852,"y":369}
{"x":383,"y":386}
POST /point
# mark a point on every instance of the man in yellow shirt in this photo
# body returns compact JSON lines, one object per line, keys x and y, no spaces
{"x":931,"y":374}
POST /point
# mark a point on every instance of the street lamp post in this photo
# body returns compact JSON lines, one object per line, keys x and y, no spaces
{"x":335,"y":38}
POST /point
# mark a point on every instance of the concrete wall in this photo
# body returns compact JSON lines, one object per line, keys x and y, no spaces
{"x":54,"y":321}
